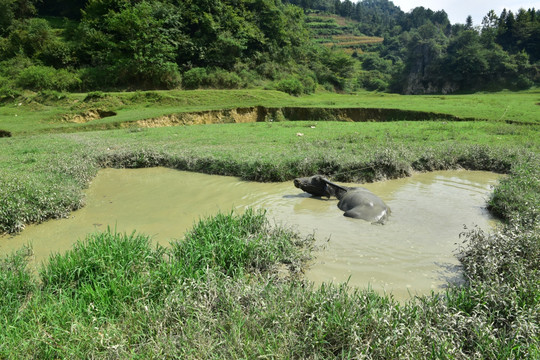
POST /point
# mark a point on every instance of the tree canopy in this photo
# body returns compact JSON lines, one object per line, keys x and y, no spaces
{"x":132,"y":44}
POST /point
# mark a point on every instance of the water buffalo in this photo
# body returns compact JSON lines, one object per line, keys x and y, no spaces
{"x":357,"y":202}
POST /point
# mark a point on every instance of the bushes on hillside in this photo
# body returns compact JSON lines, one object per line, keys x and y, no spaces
{"x":48,"y":78}
{"x":373,"y":80}
{"x":211,"y":78}
{"x":227,"y":44}
{"x":290,"y":85}
{"x":6,"y":92}
{"x":296,"y":85}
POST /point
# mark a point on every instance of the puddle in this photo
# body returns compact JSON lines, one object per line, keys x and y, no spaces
{"x":412,"y":253}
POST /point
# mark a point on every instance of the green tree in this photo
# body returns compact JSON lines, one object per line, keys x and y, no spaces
{"x":466,"y":62}
{"x":333,"y":67}
{"x":469,"y":23}
{"x":11,"y":10}
{"x":29,"y":37}
{"x":422,"y":66}
{"x":134,"y":41}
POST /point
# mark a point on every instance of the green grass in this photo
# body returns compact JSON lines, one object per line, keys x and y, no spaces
{"x":232,"y":287}
{"x":44,"y":112}
{"x":221,"y":292}
{"x":43,"y":176}
{"x":91,"y":292}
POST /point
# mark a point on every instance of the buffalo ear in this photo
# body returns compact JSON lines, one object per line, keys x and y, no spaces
{"x":333,"y":186}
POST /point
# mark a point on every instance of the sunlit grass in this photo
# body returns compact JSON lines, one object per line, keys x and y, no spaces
{"x":231,"y":288}
{"x":39,"y":113}
{"x":43,"y":176}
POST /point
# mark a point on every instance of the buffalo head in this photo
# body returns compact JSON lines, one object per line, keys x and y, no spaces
{"x":315,"y":185}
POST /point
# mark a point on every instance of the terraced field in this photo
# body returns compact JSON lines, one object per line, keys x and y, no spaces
{"x":337,"y":32}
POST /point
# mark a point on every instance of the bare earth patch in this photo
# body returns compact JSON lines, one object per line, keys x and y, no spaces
{"x":87,"y":116}
{"x":241,"y":115}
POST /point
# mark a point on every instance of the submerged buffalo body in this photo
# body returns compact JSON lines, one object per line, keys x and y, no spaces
{"x":356,"y":202}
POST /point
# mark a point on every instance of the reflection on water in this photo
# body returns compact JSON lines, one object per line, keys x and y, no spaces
{"x":413,"y":252}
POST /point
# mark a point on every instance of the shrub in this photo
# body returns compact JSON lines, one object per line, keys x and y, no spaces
{"x":167,"y":76}
{"x":309,"y":84}
{"x":270,"y":70}
{"x":100,"y":77}
{"x":249,"y":78}
{"x":57,"y":53}
{"x":11,"y":68}
{"x":36,"y":78}
{"x":223,"y":79}
{"x":290,"y":85}
{"x":47,"y":78}
{"x":66,"y":80}
{"x":522,"y":82}
{"x":6,"y":92}
{"x":150,"y":75}
{"x":213,"y":78}
{"x":371,"y":62}
{"x":30,"y":36}
{"x":194,"y":78}
{"x":374,"y":80}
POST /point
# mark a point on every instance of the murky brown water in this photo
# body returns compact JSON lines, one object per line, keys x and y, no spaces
{"x":413,"y":252}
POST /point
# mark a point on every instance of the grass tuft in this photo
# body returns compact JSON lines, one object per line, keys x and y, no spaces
{"x":16,"y":283}
{"x":236,"y":245}
{"x":104,"y":272}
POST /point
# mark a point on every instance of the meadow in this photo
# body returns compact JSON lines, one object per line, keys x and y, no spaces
{"x":46,"y":111}
{"x":232,"y":287}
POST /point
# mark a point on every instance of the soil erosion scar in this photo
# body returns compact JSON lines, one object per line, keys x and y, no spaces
{"x":261,"y":113}
{"x":87,"y":116}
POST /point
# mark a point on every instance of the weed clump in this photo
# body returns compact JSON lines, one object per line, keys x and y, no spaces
{"x":106,"y":272}
{"x":16,"y":282}
{"x":237,"y":245}
{"x":518,"y":195}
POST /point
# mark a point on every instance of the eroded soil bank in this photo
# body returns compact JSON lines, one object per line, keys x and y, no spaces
{"x":261,"y":113}
{"x":413,"y":252}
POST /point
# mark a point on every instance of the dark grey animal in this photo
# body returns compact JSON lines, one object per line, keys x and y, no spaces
{"x":357,"y":202}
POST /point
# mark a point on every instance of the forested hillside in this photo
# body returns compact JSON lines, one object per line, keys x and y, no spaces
{"x":85,"y":45}
{"x":423,"y":52}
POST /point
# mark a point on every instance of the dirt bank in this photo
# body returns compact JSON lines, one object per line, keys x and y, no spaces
{"x":260,"y":113}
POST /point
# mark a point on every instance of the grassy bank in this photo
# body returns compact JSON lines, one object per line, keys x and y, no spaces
{"x":232,"y":287}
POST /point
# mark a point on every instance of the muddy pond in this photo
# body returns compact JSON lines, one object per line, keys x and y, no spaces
{"x":413,"y":253}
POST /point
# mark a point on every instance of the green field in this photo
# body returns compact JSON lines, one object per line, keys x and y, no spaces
{"x":44,"y":112}
{"x":221,"y":292}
